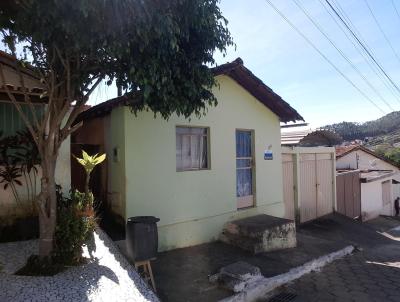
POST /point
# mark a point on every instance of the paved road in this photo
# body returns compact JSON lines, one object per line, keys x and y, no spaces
{"x":369,"y":275}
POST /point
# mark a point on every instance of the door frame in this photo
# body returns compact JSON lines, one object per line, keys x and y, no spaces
{"x":250,"y":200}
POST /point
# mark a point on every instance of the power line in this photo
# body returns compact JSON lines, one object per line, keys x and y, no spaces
{"x":353,"y":29}
{"x":381,"y":30}
{"x":322,"y":55}
{"x":357,"y":47}
{"x":395,"y":8}
{"x":318,"y":26}
{"x":363,"y":46}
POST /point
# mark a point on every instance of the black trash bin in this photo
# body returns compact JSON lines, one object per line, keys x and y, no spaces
{"x":142,"y":237}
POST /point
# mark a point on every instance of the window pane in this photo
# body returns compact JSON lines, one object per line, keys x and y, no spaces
{"x":186,"y":153}
{"x":181,"y":130}
{"x":10,"y":119}
{"x":204,"y":150}
{"x":191,"y":148}
{"x":243,"y":182}
{"x":198,"y":130}
{"x":243,"y":143}
{"x":191,"y":130}
{"x":179,"y":152}
{"x":243,"y":163}
{"x":195,"y":150}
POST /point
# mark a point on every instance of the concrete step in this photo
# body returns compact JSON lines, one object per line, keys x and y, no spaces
{"x":260,"y":233}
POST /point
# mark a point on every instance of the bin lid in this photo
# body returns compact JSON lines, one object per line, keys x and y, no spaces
{"x":143,"y":219}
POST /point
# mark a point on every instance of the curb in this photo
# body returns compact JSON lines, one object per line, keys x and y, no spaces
{"x":261,"y":287}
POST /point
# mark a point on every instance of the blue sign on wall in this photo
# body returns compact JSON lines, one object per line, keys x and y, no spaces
{"x":268,"y":155}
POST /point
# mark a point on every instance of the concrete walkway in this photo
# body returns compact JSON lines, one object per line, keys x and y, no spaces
{"x":372,"y":274}
{"x":108,"y":278}
{"x":182,"y":274}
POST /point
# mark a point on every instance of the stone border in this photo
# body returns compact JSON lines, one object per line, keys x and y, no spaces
{"x":261,"y":287}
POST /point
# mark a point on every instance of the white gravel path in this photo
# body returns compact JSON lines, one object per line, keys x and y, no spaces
{"x":109,"y":278}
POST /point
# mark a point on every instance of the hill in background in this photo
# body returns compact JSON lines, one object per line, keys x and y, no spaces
{"x":381,"y":135}
{"x":385,"y":130}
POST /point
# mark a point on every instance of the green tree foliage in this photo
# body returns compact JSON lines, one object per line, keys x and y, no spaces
{"x":161,"y":48}
{"x":394,"y":155}
{"x":158,"y":50}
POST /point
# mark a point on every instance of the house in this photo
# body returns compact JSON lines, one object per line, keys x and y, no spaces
{"x":378,"y":177}
{"x":11,"y":123}
{"x":194,"y":174}
{"x":310,"y":138}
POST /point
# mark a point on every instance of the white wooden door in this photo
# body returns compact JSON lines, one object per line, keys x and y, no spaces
{"x":308,"y":191}
{"x":324,"y":184}
{"x":316,"y":185}
{"x":387,"y":198}
{"x":288,"y":185}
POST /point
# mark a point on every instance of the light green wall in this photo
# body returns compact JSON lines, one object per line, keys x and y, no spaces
{"x":115,"y":139}
{"x":194,"y":205}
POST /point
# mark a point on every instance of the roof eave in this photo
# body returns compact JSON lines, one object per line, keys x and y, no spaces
{"x":244,"y":77}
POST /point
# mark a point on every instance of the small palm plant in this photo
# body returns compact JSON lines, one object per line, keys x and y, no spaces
{"x":9,"y":176}
{"x":88,"y":163}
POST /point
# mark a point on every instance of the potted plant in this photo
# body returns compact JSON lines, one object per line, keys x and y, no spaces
{"x":88,"y":163}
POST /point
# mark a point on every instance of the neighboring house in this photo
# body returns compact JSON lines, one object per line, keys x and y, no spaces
{"x":310,"y":138}
{"x":379,"y":179}
{"x":194,"y":174}
{"x":11,"y":122}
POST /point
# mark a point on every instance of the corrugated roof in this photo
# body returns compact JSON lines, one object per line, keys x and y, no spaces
{"x":369,"y":176}
{"x":310,"y":138}
{"x":235,"y":70}
{"x":293,"y":137}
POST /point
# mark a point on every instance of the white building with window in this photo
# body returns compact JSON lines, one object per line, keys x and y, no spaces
{"x":195,"y":174}
{"x":11,"y":123}
{"x":379,"y":177}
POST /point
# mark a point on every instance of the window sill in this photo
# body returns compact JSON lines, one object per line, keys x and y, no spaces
{"x":193,"y":170}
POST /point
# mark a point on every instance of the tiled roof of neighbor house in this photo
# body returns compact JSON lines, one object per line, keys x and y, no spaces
{"x":344,"y":150}
{"x":12,"y":81}
{"x":341,"y":150}
{"x":9,"y":60}
{"x":235,"y":70}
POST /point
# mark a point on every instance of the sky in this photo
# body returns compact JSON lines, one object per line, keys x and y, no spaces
{"x":284,"y":61}
{"x":292,"y":68}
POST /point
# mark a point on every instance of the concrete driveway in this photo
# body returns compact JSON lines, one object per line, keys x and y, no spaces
{"x":371,"y":274}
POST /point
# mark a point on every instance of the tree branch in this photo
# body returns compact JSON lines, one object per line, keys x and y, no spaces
{"x":78,"y":108}
{"x":70,"y":131}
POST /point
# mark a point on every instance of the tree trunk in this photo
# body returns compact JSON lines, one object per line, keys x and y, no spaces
{"x":48,"y":204}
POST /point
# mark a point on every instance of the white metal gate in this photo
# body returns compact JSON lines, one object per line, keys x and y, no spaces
{"x":309,"y":182}
{"x":387,"y":197}
{"x":288,"y":185}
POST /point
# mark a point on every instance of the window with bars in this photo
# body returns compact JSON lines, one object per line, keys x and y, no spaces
{"x":10,"y":119}
{"x":192,"y":148}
